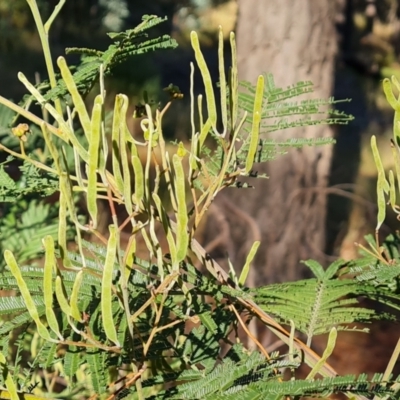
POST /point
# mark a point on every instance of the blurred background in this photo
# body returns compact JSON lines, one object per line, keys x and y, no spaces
{"x":318,"y":201}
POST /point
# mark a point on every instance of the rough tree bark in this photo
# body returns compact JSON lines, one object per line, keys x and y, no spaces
{"x":295,"y":40}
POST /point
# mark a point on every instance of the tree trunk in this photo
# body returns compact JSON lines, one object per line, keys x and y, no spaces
{"x":295,"y":41}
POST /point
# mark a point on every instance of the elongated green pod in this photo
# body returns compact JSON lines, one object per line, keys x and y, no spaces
{"x":327,"y":352}
{"x":115,"y":138}
{"x":390,"y":97}
{"x":204,"y":132}
{"x":167,"y":228}
{"x":194,"y":151}
{"x":378,"y":163}
{"x":392,"y":190}
{"x":200,"y":110}
{"x":396,"y":158}
{"x":61,"y":297}
{"x":396,"y":83}
{"x":124,"y":159}
{"x":381,"y":200}
{"x":53,"y":149}
{"x":30,"y":304}
{"x":106,"y":287}
{"x":10,"y":384}
{"x":49,"y":267}
{"x":192,"y":125}
{"x":76,"y":97}
{"x":75,"y":297}
{"x":62,"y":224}
{"x":255,"y":129}
{"x":208,"y":84}
{"x":222,"y":81}
{"x":129,"y":256}
{"x":94,"y":148}
{"x":396,"y":128}
{"x":249,"y":259}
{"x":382,"y":186}
{"x":64,"y":130}
{"x":182,"y":235}
{"x":234,"y":84}
{"x":139,"y":180}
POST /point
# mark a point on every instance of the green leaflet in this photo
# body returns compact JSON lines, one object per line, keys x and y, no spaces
{"x":205,"y":73}
{"x":182,"y":235}
{"x":94,"y":149}
{"x":76,"y":97}
{"x":49,"y":267}
{"x":106,"y":287}
{"x":30,"y":305}
{"x":207,"y":320}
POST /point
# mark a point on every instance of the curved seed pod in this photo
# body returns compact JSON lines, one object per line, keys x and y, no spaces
{"x":65,"y":132}
{"x":382,"y":186}
{"x":233,"y":94}
{"x":30,"y":304}
{"x":249,"y":259}
{"x":106,"y":287}
{"x":49,"y":266}
{"x":387,"y":89}
{"x":129,"y":256}
{"x":395,"y":82}
{"x":76,"y":97}
{"x":167,"y":228}
{"x":182,"y":235}
{"x":75,"y":295}
{"x":124,"y":157}
{"x":381,"y":200}
{"x":396,"y":158}
{"x":139,"y":180}
{"x":62,"y":224}
{"x":255,"y":129}
{"x":61,"y":297}
{"x":222,"y":81}
{"x":204,"y":132}
{"x":205,"y":73}
{"x":53,"y":149}
{"x":378,"y":161}
{"x":327,"y":352}
{"x":10,"y":384}
{"x":94,"y":147}
{"x":392,"y":190}
{"x":115,"y":140}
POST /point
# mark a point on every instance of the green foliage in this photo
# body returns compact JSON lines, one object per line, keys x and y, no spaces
{"x":315,"y":306}
{"x":281,"y":111}
{"x":112,"y":324}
